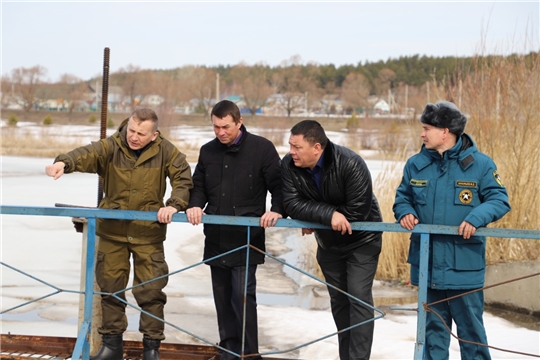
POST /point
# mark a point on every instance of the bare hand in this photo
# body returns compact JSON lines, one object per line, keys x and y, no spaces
{"x":466,"y":229}
{"x":340,"y":223}
{"x":408,"y":221}
{"x":307,"y":231}
{"x":194,"y":215}
{"x":165,"y":214}
{"x":55,"y":170}
{"x":269,"y":219}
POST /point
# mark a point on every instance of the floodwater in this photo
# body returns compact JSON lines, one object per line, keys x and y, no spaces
{"x":313,"y":294}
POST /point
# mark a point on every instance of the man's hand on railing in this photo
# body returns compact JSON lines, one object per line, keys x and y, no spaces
{"x":408,"y":221}
{"x":165,"y":214}
{"x":466,"y":229}
{"x":341,"y":224}
{"x":269,"y":219}
{"x":194,"y":215}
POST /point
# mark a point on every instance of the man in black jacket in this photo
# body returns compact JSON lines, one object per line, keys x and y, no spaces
{"x":331,"y":185}
{"x":234,"y":173}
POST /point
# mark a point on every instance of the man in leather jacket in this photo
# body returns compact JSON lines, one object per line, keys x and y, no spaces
{"x":331,"y":185}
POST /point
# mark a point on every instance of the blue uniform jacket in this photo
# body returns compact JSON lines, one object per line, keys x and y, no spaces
{"x":462,"y":184}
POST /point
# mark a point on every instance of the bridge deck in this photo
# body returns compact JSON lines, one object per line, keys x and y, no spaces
{"x":24,"y":347}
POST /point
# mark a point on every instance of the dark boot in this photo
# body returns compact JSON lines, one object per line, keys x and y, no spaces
{"x":150,"y":349}
{"x":111,"y":349}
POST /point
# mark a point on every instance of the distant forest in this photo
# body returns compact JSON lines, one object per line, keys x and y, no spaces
{"x":405,"y":83}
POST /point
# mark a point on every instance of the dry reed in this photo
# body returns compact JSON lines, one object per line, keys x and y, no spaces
{"x":500,"y":98}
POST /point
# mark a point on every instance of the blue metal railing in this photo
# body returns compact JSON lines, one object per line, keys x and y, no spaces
{"x":82,"y":347}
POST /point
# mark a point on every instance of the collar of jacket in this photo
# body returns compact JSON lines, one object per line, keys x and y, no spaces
{"x":235,"y":147}
{"x":462,"y":151}
{"x":328,"y":161}
{"x":329,"y":152}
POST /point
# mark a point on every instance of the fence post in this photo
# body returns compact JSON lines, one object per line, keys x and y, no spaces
{"x":419,"y":348}
{"x":82,"y":346}
{"x":94,"y":339}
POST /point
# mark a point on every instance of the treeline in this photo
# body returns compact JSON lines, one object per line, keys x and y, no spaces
{"x":406,"y":83}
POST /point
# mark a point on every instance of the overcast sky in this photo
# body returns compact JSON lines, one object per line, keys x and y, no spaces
{"x":70,"y":37}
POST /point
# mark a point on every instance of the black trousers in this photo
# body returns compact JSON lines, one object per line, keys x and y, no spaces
{"x":352,"y":271}
{"x":228,"y":285}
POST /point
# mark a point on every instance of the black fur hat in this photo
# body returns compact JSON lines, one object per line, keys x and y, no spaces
{"x":444,"y":114}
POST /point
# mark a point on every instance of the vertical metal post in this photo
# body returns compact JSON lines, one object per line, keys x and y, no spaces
{"x":244,"y":317}
{"x":419,"y":348}
{"x":104,"y":105}
{"x":82,"y":345}
{"x":94,"y":338}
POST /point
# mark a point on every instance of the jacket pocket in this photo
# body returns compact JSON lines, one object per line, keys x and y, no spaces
{"x":420,"y":195}
{"x":469,"y":254}
{"x":159,"y":268}
{"x":466,"y":195}
{"x":100,"y":270}
{"x":413,"y":257}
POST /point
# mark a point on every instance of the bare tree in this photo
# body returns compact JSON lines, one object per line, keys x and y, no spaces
{"x":385,"y":80}
{"x":25,"y":82}
{"x":252,"y":83}
{"x":136,"y":84}
{"x":7,"y":91}
{"x":294,"y":83}
{"x":355,"y":90}
{"x":74,"y":90}
{"x":200,"y":86}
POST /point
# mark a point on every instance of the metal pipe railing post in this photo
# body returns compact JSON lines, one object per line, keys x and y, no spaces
{"x":82,"y":346}
{"x":419,"y":348}
{"x":244,"y":316}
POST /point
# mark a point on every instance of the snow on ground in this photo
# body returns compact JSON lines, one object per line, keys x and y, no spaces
{"x":50,"y":249}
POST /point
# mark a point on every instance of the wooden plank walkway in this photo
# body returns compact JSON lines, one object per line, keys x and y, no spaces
{"x":24,"y":347}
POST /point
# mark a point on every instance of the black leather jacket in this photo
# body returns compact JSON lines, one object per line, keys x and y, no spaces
{"x":346,"y":187}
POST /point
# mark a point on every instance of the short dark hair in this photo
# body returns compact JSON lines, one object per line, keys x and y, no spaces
{"x":312,"y":131}
{"x":224,"y":108}
{"x":142,"y":114}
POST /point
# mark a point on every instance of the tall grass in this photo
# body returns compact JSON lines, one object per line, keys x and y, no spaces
{"x":45,"y":144}
{"x":501,"y":98}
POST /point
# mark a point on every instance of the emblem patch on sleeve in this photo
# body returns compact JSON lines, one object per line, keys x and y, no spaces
{"x":465,"y":196}
{"x":497,"y":178}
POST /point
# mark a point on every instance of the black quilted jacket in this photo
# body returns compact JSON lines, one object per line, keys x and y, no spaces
{"x":346,"y":187}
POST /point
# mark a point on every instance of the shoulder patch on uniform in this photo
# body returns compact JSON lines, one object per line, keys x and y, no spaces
{"x":415,"y":182}
{"x":467,"y":161}
{"x":462,"y":183}
{"x":497,"y":178}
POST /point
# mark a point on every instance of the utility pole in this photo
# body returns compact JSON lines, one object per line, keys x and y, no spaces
{"x":217,"y":87}
{"x":406,"y":99}
{"x":460,"y":89}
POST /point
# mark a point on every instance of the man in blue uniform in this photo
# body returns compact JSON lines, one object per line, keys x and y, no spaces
{"x":450,"y":182}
